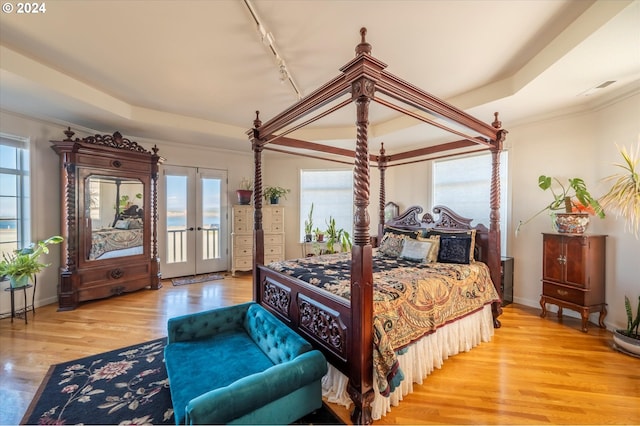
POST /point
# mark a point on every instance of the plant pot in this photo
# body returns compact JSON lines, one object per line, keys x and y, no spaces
{"x":307,"y":238}
{"x":320,"y":238}
{"x":19,"y":282}
{"x":244,"y":196}
{"x":626,"y":344}
{"x":274,"y":200}
{"x":571,"y":223}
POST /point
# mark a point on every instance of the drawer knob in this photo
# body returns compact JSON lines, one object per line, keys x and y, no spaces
{"x":116,"y":273}
{"x":563,"y":292}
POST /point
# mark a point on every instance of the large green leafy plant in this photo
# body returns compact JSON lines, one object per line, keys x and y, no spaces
{"x":623,"y":198}
{"x":24,"y":263}
{"x":570,"y":197}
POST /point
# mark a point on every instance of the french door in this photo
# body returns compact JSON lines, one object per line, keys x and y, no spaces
{"x":193,"y":221}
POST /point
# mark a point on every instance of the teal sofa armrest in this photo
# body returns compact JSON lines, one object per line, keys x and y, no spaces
{"x":208,"y":323}
{"x":223,"y":405}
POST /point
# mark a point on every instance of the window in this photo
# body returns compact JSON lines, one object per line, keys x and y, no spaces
{"x":464,"y":184}
{"x":331,"y":192}
{"x":14,"y":193}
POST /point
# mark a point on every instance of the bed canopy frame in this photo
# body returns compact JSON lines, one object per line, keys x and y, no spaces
{"x":365,"y":78}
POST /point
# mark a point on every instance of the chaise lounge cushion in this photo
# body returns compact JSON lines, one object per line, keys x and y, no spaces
{"x":240,"y":364}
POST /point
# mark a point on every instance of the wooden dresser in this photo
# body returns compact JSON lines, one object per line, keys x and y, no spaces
{"x":573,"y":274}
{"x":242,"y":236}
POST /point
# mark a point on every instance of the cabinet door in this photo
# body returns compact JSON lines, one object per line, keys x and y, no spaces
{"x":575,"y":254}
{"x":553,"y":258}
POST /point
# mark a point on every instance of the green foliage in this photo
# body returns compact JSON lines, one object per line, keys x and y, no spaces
{"x":337,"y":235}
{"x":246,"y":184}
{"x":317,"y":233}
{"x":275,"y":192}
{"x":308,"y":223}
{"x":125,"y":200}
{"x":632,"y":324}
{"x":25,"y":262}
{"x":570,"y":197}
{"x":624,"y":195}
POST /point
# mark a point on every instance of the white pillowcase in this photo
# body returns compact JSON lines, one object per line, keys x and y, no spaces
{"x":416,"y":250}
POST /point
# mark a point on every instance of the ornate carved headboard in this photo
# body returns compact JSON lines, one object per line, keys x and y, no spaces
{"x":447,"y":219}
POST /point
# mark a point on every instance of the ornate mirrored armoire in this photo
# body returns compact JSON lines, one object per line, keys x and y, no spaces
{"x":109,"y":217}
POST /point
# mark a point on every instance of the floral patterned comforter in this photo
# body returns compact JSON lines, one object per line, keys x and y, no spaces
{"x":411,"y":299}
{"x":107,"y":240}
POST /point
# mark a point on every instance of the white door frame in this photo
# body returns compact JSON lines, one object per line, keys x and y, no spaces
{"x":192,"y":237}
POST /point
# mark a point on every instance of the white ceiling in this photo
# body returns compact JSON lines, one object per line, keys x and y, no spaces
{"x":195,"y":71}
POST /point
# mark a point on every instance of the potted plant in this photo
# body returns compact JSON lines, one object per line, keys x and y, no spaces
{"x":23,"y":264}
{"x":337,"y":237}
{"x":273,"y":193}
{"x":624,"y":195}
{"x":623,"y":198}
{"x":628,"y":340}
{"x":319,"y":234}
{"x":571,"y":205}
{"x":245,"y":191}
{"x":308,"y":225}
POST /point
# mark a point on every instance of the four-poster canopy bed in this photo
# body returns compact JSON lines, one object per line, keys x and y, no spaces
{"x":346,"y":326}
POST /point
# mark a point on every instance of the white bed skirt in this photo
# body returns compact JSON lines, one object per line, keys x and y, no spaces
{"x":420,"y":359}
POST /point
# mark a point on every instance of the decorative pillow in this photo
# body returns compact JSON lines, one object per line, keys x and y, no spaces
{"x":432,"y":256}
{"x":401,"y":232}
{"x":469,"y":232}
{"x":391,"y":246}
{"x":122,"y":224}
{"x":135,"y":223}
{"x":416,"y":251}
{"x":455,"y":248}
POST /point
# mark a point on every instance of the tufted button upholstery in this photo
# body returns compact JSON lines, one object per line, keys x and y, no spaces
{"x":267,"y":367}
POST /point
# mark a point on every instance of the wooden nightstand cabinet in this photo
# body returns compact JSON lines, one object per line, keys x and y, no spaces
{"x":242,"y":236}
{"x":573,"y":275}
{"x":506,"y":280}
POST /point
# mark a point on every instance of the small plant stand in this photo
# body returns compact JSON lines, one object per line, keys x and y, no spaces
{"x":22,"y":312}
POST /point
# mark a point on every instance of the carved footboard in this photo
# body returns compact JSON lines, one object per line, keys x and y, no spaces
{"x":319,"y":316}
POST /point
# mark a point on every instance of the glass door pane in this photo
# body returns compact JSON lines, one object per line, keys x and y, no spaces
{"x":176,"y":247}
{"x":212,"y":255}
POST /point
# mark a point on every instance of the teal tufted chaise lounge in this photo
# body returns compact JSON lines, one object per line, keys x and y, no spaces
{"x":240,"y":364}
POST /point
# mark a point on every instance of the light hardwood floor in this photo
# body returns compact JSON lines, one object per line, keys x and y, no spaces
{"x":535,"y":371}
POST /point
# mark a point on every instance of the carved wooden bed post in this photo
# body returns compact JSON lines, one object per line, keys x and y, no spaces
{"x":258,"y":233}
{"x":382,"y":167}
{"x":155,"y":258}
{"x":494,"y":218}
{"x":360,"y":386}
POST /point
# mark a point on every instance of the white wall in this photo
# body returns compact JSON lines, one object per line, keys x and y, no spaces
{"x":580,"y":145}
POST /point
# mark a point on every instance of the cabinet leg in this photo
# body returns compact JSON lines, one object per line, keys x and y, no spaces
{"x":560,"y":312}
{"x":603,"y":313}
{"x":585,"y":320}
{"x":543,"y":304}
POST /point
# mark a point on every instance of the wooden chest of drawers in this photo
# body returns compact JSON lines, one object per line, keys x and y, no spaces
{"x":242,"y":236}
{"x":573,"y":274}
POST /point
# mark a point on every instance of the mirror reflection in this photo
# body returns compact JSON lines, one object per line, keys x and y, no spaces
{"x":116,"y":216}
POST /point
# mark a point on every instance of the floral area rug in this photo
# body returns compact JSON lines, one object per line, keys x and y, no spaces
{"x":125,"y":386}
{"x":128,"y":386}
{"x":196,"y":279}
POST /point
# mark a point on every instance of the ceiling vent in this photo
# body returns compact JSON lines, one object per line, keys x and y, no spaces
{"x":598,"y":87}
